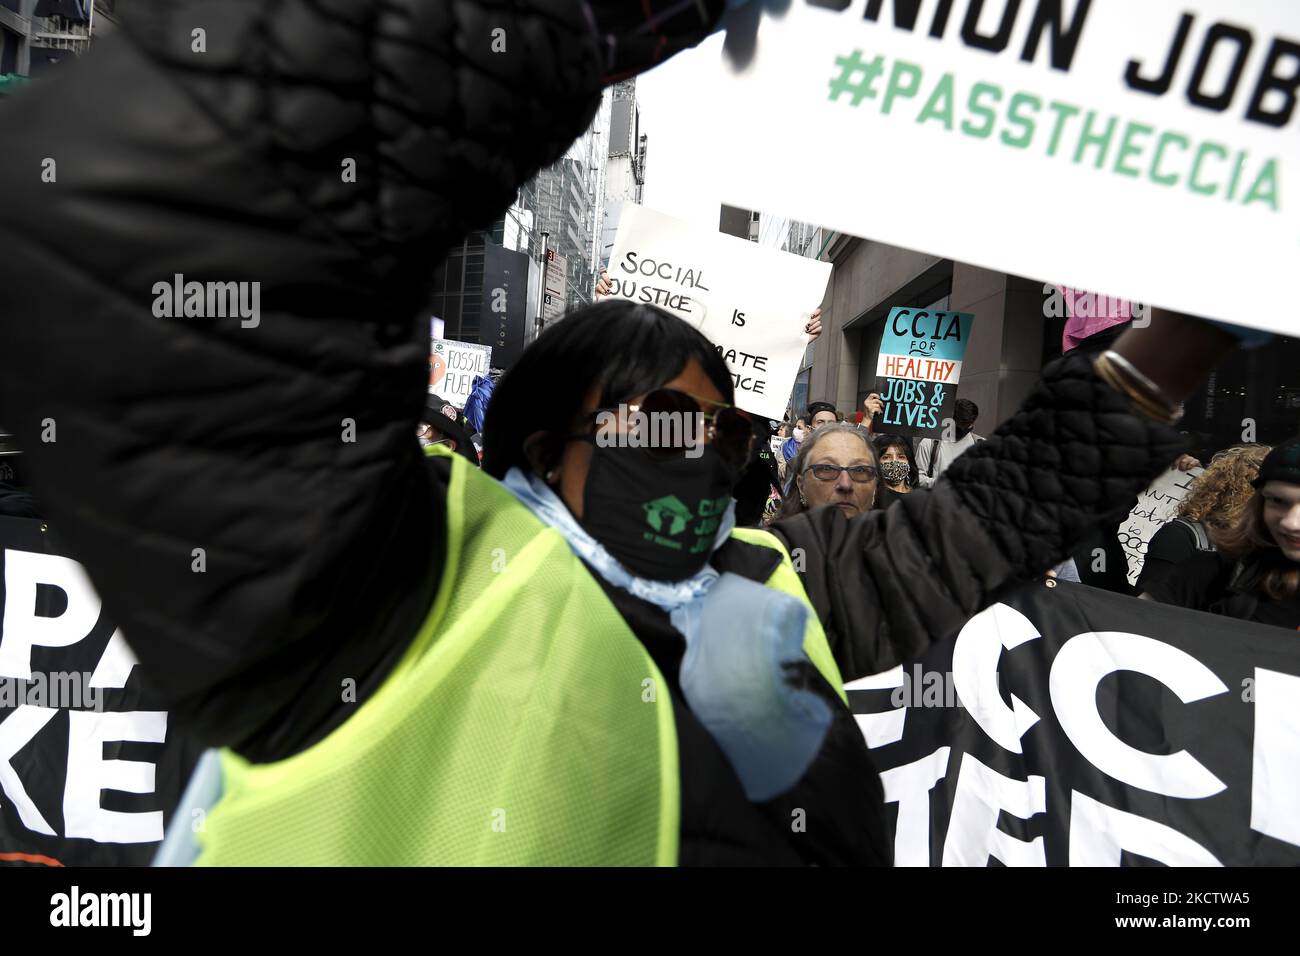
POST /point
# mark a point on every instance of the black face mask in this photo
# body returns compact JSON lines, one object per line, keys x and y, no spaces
{"x":894,"y":472}
{"x":657,"y":517}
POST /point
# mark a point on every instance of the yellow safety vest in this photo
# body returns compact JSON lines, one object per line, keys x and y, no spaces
{"x":525,"y":725}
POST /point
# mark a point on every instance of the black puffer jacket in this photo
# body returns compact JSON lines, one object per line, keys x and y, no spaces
{"x":181,"y":438}
{"x":889,"y":582}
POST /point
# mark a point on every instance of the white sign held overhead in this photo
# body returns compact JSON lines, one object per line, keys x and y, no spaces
{"x":750,"y":301}
{"x":453,"y":366}
{"x":1145,"y":150}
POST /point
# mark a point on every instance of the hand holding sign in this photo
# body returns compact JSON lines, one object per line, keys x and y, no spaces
{"x":918,"y":368}
{"x":814,"y":326}
{"x":738,"y":294}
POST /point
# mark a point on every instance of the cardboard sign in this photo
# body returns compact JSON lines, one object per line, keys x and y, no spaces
{"x":751,"y":302}
{"x":1155,"y":506}
{"x":453,"y":367}
{"x":1149,"y":150}
{"x":918,"y":369}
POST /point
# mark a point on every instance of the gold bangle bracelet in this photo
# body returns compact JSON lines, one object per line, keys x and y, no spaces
{"x":1158,"y":409}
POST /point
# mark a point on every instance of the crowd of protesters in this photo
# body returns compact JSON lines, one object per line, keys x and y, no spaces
{"x":596,"y":639}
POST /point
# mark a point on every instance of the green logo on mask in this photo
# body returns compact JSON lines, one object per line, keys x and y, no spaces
{"x":667,"y":511}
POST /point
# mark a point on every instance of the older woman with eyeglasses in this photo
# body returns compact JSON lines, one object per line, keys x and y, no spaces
{"x":837,"y":465}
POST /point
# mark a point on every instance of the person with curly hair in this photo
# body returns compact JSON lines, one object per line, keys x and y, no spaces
{"x":1254,"y":574}
{"x":1213,"y":506}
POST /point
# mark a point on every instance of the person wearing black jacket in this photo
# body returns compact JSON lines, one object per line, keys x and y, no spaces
{"x":284,"y":448}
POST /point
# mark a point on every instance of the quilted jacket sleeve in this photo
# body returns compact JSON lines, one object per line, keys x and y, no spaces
{"x":888,"y":583}
{"x":245,"y":490}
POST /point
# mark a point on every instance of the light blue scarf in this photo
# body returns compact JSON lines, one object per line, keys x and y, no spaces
{"x":740,"y":636}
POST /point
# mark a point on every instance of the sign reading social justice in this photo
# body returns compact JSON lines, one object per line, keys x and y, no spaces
{"x":1071,"y":726}
{"x":918,"y":369}
{"x":750,"y":301}
{"x":453,"y":366}
{"x":1148,"y":150}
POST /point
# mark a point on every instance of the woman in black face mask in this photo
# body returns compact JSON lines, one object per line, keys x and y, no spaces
{"x":898,"y":472}
{"x":632,"y":459}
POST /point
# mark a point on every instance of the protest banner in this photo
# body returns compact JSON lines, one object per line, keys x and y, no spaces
{"x":750,"y":301}
{"x":1104,"y":144}
{"x":1073,"y":726}
{"x":453,"y":366}
{"x":1155,"y":506}
{"x":90,"y":765}
{"x":918,"y":368}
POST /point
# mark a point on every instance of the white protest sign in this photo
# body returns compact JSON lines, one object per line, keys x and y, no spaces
{"x":750,"y":301}
{"x":1156,"y":505}
{"x":1146,"y":150}
{"x":453,"y":366}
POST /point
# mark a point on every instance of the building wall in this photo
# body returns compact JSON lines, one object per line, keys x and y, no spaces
{"x":1003,"y":358}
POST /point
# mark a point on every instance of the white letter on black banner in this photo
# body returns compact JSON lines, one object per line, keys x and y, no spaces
{"x":1080,"y":666}
{"x":975,"y":673}
{"x":1098,"y":833}
{"x":23,"y":630}
{"x":973,"y":834}
{"x":1275,"y":777}
{"x":909,"y":786}
{"x":89,"y":773}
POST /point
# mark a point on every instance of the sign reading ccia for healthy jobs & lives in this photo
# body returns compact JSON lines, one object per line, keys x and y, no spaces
{"x":1148,"y":150}
{"x":750,"y":301}
{"x":918,"y":368}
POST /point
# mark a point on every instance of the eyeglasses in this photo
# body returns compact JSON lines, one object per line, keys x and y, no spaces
{"x":859,"y":474}
{"x":673,"y":421}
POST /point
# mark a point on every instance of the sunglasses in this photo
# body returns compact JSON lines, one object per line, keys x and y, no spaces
{"x":671,"y":422}
{"x":859,"y":474}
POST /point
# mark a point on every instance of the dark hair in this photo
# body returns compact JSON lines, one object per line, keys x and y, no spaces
{"x":964,"y":410}
{"x":624,"y":348}
{"x":885,"y":442}
{"x":791,"y":505}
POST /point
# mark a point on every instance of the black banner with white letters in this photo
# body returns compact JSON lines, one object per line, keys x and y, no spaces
{"x":1071,"y":726}
{"x":90,"y":768}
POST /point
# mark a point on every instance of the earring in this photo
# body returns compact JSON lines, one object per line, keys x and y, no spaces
{"x":550,"y":477}
{"x":802,"y":500}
